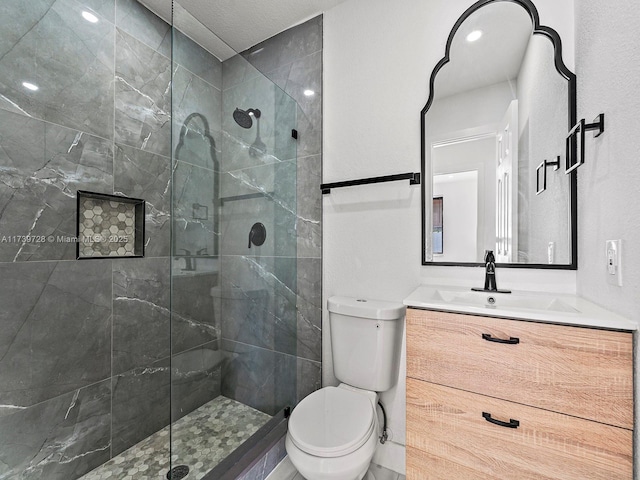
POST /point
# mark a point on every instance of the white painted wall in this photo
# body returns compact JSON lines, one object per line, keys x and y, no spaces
{"x":608,"y":68}
{"x":378,"y":56}
{"x":541,"y":91}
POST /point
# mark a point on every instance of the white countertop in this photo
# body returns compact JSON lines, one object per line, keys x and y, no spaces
{"x":519,"y":305}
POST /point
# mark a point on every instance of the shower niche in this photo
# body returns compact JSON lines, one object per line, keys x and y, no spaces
{"x":109,"y":226}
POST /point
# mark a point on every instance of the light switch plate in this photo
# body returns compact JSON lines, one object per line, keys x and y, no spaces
{"x":613,"y":255}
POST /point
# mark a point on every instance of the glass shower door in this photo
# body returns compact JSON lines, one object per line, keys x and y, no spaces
{"x":233,"y":269}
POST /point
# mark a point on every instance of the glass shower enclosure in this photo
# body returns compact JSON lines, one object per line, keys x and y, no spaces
{"x":234,"y":243}
{"x":149,"y":322}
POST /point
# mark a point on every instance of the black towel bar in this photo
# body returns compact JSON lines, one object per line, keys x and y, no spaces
{"x":414,"y":179}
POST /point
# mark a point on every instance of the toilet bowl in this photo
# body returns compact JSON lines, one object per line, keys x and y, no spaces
{"x":333,"y":433}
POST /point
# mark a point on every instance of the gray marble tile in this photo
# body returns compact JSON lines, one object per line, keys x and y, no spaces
{"x":196,"y":59}
{"x":290,"y":45}
{"x":237,"y":70}
{"x":274,"y":457}
{"x":309,"y":207}
{"x":196,"y":112}
{"x":194,"y":320}
{"x":141,"y":315}
{"x":306,"y":74}
{"x":309,"y":377}
{"x":309,"y":308}
{"x":29,"y":14}
{"x":299,"y":76}
{"x":101,"y":8}
{"x":142,"y":96}
{"x":63,"y":437}
{"x":256,"y":472}
{"x":144,"y":175}
{"x":260,"y":378}
{"x":246,"y":317}
{"x":258,"y":301}
{"x":278,"y":117}
{"x":141,"y":23}
{"x":195,"y":378}
{"x":264,"y":466}
{"x":68,"y":58}
{"x":56,"y":334}
{"x":296,"y":78}
{"x":195,"y":143}
{"x":43,"y":167}
{"x":140,"y":404}
{"x":195,"y":218}
{"x":272,"y":202}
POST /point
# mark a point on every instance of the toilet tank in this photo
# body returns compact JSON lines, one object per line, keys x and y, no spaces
{"x":366,"y":338}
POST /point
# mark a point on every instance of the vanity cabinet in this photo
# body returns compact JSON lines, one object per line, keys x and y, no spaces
{"x":493,"y":398}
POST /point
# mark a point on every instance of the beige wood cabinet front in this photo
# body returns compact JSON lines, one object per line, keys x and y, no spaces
{"x":554,"y":402}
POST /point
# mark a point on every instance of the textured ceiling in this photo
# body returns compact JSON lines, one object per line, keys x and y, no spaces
{"x":240,"y":24}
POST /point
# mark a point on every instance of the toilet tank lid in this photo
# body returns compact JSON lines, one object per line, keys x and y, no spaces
{"x":365,"y":308}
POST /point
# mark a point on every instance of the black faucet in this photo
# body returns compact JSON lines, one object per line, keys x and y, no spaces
{"x":189,"y":262}
{"x":490,"y":274}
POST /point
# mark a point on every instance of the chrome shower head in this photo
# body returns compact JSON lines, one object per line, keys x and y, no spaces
{"x":243,"y":117}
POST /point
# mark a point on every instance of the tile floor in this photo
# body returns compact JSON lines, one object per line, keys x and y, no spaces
{"x":201,"y":440}
{"x":286,"y":471}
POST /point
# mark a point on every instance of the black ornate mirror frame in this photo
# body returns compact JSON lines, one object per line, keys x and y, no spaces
{"x":571,"y":79}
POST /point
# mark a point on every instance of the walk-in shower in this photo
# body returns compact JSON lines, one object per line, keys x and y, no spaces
{"x":154,"y":365}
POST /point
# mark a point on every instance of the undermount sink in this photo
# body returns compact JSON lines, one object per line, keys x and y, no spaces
{"x":522,"y":305}
{"x":492,"y":300}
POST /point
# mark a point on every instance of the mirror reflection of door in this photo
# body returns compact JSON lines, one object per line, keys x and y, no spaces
{"x":506,"y":247}
{"x":463,"y":175}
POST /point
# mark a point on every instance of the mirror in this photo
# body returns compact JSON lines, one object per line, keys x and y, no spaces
{"x":195,"y":198}
{"x":501,"y":102}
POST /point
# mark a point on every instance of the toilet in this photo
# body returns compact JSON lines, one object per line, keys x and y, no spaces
{"x":333,"y":433}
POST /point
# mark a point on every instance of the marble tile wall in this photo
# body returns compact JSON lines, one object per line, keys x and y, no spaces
{"x":85,"y":345}
{"x":293,"y":61}
{"x":270,"y":295}
{"x":84,"y":348}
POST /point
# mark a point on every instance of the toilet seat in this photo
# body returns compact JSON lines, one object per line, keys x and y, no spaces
{"x":332,"y":422}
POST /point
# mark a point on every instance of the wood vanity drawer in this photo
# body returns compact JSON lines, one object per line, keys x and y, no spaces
{"x":450,"y":439}
{"x":578,"y":371}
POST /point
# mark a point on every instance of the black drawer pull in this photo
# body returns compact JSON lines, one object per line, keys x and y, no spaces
{"x":510,"y":424}
{"x":511,"y":341}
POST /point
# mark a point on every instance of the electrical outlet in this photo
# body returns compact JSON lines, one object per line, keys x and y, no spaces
{"x":614,"y":264}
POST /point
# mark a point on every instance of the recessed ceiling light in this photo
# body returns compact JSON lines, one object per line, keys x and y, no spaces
{"x":308,"y":92}
{"x":473,"y":36}
{"x":89,"y":17}
{"x":30,"y":86}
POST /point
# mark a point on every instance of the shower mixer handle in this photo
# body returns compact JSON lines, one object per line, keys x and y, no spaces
{"x":257,"y":234}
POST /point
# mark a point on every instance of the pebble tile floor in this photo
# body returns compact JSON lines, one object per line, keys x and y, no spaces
{"x":201,"y":440}
{"x":286,"y":471}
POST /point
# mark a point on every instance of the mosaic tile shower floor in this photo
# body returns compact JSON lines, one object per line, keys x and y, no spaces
{"x":201,"y":440}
